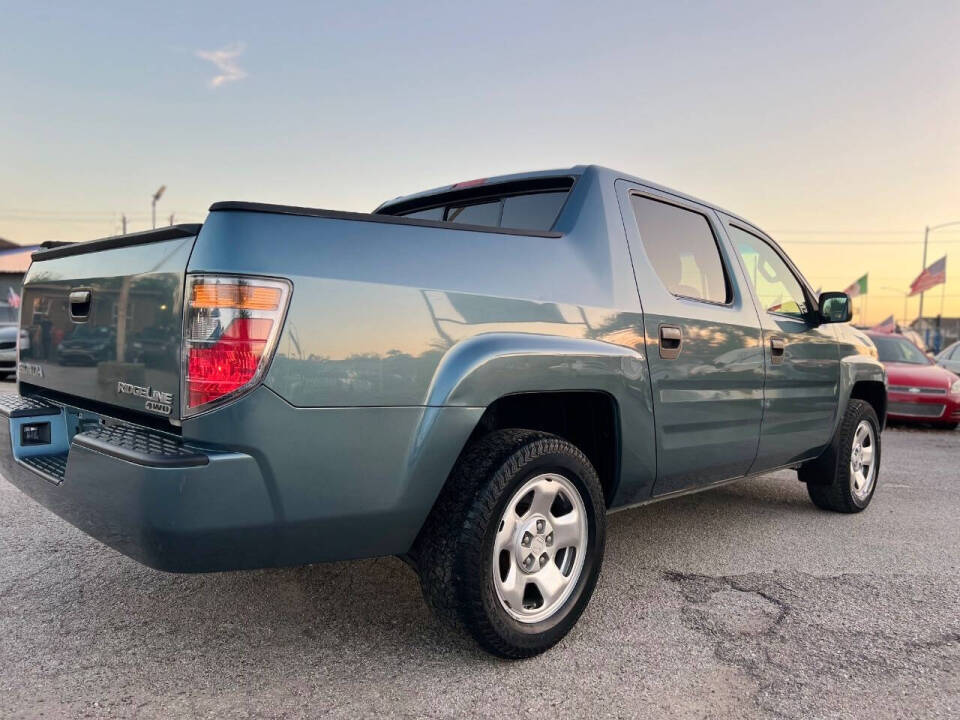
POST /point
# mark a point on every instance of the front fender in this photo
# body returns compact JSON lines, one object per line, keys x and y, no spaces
{"x":855,"y":369}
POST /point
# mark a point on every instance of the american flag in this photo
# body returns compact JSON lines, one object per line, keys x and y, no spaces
{"x":887,"y":326}
{"x":13,"y":299}
{"x":931,"y":276}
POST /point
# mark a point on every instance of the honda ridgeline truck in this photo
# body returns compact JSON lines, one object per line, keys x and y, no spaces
{"x":470,"y":378}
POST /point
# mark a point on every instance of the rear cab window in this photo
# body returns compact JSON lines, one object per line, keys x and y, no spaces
{"x":429,"y":214}
{"x":487,"y":214}
{"x":532,"y":205}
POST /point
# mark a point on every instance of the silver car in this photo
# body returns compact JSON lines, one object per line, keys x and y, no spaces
{"x":8,"y":350}
{"x":949,"y":358}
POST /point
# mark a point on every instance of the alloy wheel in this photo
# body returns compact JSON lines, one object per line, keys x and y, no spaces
{"x":863,"y":466}
{"x":539,"y":549}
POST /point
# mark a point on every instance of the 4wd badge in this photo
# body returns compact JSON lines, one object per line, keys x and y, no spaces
{"x":157,"y":401}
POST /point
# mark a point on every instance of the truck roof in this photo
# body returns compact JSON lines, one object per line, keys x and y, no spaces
{"x":573,"y":172}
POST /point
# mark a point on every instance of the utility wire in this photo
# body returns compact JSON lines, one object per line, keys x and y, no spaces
{"x":909,"y":243}
{"x":860,"y":232}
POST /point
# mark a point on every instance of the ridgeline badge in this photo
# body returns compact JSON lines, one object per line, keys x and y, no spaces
{"x":156,"y":400}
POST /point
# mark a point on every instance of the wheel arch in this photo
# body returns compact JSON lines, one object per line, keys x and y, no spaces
{"x":571,"y":387}
{"x":862,"y":378}
{"x":875,"y":393}
{"x":506,"y":379}
{"x":479,"y":370}
{"x":589,"y":419}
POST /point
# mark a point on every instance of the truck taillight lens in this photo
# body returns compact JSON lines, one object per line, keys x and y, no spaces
{"x":230,"y":330}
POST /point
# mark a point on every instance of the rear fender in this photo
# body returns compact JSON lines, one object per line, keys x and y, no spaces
{"x":477,"y":371}
{"x":481,"y":369}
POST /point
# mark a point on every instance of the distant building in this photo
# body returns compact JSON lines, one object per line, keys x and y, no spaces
{"x":14,"y":261}
{"x":937,"y":332}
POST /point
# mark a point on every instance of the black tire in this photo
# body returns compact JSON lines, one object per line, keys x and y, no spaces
{"x":949,"y":426}
{"x":828,"y":478}
{"x":455,"y":549}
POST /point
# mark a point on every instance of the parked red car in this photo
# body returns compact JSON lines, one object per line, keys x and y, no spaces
{"x":917,"y":390}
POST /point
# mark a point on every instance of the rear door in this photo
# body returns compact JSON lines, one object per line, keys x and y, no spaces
{"x":802,"y":359}
{"x":703,"y":339}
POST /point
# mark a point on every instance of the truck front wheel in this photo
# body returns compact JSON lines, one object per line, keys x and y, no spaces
{"x":844,"y":478}
{"x":512,"y":549}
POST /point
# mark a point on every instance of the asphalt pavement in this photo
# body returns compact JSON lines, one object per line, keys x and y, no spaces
{"x":741,"y":602}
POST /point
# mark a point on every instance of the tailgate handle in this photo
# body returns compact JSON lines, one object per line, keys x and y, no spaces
{"x":80,"y":304}
{"x":671,"y":338}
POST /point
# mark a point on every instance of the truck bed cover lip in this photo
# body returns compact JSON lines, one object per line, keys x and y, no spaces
{"x":241,"y":206}
{"x":171,"y":232}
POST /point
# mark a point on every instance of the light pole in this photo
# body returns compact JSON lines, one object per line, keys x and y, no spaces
{"x":926,"y":234}
{"x":159,"y":193}
{"x":905,"y":296}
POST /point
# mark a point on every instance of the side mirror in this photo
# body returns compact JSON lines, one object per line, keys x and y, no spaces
{"x":835,"y":307}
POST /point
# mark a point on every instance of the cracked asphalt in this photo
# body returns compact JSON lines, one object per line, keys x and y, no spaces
{"x":741,"y":602}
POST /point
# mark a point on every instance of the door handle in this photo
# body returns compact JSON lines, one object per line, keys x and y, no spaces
{"x":671,"y":340}
{"x":777,"y":346}
{"x":80,"y":305}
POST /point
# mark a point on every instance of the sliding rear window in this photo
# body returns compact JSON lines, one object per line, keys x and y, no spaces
{"x":513,"y":206}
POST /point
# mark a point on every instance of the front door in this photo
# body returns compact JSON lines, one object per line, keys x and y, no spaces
{"x":703,"y":339}
{"x":801,"y":357}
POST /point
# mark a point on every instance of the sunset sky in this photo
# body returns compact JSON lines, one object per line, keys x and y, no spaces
{"x":833,"y":125}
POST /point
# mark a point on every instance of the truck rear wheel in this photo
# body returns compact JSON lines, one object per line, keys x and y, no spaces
{"x":512,"y":549}
{"x":844,"y":478}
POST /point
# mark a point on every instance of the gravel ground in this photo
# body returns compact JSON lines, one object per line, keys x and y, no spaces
{"x":740,"y":602}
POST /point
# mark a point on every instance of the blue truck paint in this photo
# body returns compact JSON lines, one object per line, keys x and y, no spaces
{"x":398,"y":338}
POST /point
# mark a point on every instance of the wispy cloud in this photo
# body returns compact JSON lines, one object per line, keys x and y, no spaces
{"x":225,"y":60}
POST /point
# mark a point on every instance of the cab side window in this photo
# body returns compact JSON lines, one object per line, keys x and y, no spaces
{"x":776,"y":287}
{"x":682,"y":249}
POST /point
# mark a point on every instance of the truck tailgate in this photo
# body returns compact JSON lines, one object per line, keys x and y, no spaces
{"x":104,"y":320}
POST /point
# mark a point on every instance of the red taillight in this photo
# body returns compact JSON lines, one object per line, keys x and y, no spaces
{"x":230,"y":363}
{"x":230,"y":328}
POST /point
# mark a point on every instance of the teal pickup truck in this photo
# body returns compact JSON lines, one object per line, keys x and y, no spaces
{"x":470,"y":378}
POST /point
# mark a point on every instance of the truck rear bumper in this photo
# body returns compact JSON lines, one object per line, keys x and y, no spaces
{"x":334,"y":484}
{"x":192,"y":511}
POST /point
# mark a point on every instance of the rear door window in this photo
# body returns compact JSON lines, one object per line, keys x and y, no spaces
{"x":682,"y":249}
